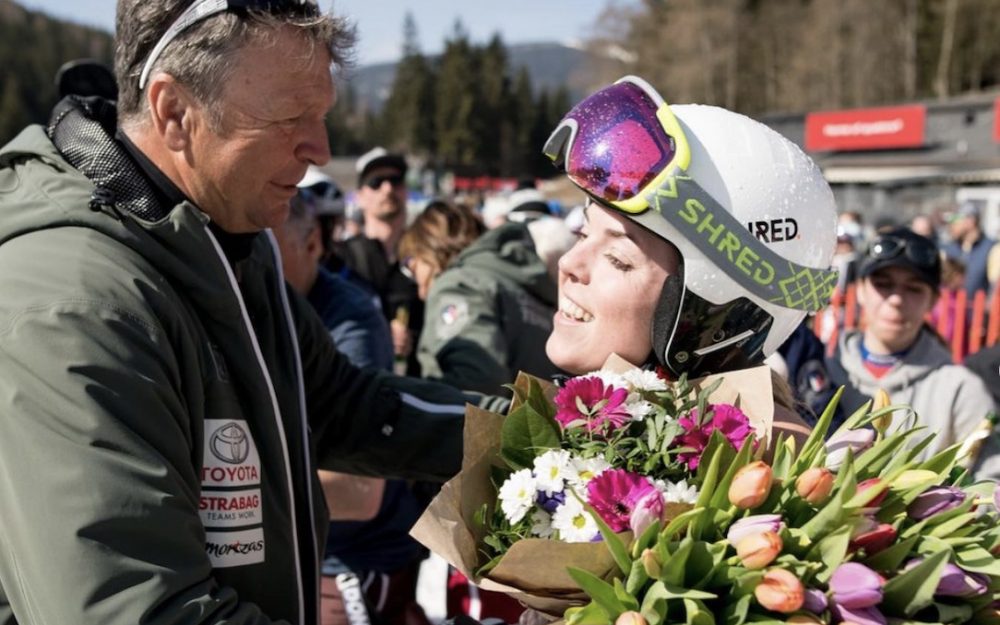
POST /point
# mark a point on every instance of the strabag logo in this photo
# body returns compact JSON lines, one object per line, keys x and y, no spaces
{"x":227,"y":549}
{"x":230,"y":508}
{"x":230,"y":457}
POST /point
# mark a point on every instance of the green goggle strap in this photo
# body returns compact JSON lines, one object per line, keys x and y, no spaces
{"x":731,"y":247}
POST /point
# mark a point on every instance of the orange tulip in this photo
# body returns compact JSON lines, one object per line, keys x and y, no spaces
{"x":631,"y":618}
{"x":751,"y":485}
{"x":815,"y":485}
{"x":781,"y":591}
{"x":758,"y":550}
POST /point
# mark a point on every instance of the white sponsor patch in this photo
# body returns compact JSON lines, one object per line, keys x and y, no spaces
{"x":230,"y":508}
{"x":226,"y":549}
{"x":230,"y":457}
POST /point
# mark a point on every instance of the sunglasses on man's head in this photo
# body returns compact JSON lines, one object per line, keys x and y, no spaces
{"x":375,"y":182}
{"x":887,"y":246}
{"x":202,"y":9}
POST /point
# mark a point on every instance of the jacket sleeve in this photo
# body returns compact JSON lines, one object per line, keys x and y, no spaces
{"x":372,"y":422}
{"x":463,"y":342}
{"x":99,"y":499}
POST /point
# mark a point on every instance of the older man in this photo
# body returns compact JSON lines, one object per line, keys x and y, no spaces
{"x":161,"y":391}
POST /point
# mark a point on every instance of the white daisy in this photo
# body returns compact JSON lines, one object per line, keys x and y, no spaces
{"x":610,"y":378}
{"x":638,"y":408}
{"x":644,"y":380}
{"x":517,"y":495}
{"x":574,"y":523}
{"x":677,"y":492}
{"x":552,"y":469}
{"x":541,"y":524}
{"x":587,"y":469}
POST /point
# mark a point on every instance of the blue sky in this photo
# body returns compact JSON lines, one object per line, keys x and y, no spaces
{"x":380,"y":22}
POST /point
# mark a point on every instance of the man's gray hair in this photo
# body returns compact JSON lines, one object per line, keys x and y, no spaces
{"x":201,"y":57}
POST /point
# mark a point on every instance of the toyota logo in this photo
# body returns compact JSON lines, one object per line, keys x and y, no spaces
{"x":230,"y":443}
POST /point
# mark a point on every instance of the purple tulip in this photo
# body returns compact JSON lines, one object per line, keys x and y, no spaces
{"x":958,"y":583}
{"x":858,"y":616}
{"x":815,"y":601}
{"x":854,"y":585}
{"x":855,"y":440}
{"x":935,"y":500}
{"x":754,"y":525}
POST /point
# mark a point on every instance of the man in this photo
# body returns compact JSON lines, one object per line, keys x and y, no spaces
{"x":373,"y":551}
{"x":979,"y":253}
{"x":162,"y":395}
{"x":381,"y":196}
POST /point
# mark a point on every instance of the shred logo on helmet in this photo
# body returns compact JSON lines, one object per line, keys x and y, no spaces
{"x":723,"y":190}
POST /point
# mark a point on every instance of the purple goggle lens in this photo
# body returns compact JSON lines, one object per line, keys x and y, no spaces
{"x":619,"y":145}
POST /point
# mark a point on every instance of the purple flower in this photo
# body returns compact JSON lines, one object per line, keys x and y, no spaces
{"x":815,"y":601}
{"x":647,"y":510}
{"x":550,"y":503}
{"x":587,"y":401}
{"x":615,"y":493}
{"x":854,"y":440}
{"x":858,"y":616}
{"x":935,"y":500}
{"x":726,"y":418}
{"x":958,"y":583}
{"x":755,"y":524}
{"x":854,"y":585}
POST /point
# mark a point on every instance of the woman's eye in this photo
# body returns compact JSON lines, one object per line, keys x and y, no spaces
{"x":618,"y":264}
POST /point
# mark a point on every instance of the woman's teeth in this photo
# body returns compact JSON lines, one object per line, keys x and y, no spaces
{"x":571,"y":310}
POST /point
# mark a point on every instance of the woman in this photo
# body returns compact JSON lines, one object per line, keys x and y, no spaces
{"x":900,"y":277}
{"x":489,"y":299}
{"x":706,"y":243}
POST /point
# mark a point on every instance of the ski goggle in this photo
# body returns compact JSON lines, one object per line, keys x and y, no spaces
{"x":202,"y":9}
{"x":587,"y":144}
{"x":921,"y":253}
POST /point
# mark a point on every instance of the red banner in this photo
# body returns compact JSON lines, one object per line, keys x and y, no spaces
{"x":866,"y":129}
{"x":996,"y":120}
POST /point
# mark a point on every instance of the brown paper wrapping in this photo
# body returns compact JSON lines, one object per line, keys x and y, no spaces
{"x":534,"y":571}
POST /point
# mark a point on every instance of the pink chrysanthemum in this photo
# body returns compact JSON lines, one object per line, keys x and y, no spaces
{"x":589,"y":402}
{"x":615,"y":493}
{"x":726,"y":418}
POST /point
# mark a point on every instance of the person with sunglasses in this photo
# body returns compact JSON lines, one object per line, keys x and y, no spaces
{"x":707,"y":239}
{"x":373,"y":254}
{"x":899,"y":281}
{"x":165,"y":398}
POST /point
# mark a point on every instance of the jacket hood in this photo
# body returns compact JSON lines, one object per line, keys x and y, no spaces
{"x":925,"y":357}
{"x":74,"y":173}
{"x":509,"y":251}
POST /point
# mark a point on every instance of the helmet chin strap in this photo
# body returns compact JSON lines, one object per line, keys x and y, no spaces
{"x":694,"y":336}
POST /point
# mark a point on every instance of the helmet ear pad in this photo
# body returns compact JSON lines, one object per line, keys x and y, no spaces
{"x":694,"y":336}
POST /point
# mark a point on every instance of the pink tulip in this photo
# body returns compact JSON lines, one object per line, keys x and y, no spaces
{"x":854,"y":585}
{"x":815,"y":485}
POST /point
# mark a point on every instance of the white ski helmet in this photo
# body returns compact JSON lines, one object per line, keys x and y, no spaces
{"x":751,"y":215}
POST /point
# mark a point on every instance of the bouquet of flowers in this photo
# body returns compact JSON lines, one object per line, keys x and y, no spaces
{"x":852,"y":529}
{"x":609,"y":453}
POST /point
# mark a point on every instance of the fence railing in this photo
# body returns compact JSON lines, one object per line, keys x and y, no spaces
{"x":967,"y":326}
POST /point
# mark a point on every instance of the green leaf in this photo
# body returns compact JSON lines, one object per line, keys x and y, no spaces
{"x":891,"y":558}
{"x":614,"y":543}
{"x":598,"y":590}
{"x":814,"y":442}
{"x":678,"y":522}
{"x":913,"y":590}
{"x":674,"y":570}
{"x":943,"y":461}
{"x":637,"y":578}
{"x":832,"y":515}
{"x":538,"y":400}
{"x":524,"y":435}
{"x":629,"y":601}
{"x":831,"y":551}
{"x":735,"y":612}
{"x":697,"y":613}
{"x":948,"y":613}
{"x":978,"y":560}
{"x":654,"y":604}
{"x":645,"y":539}
{"x":590,"y":614}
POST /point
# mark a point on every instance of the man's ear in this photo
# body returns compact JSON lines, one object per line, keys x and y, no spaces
{"x":172,"y":111}
{"x":314,"y":243}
